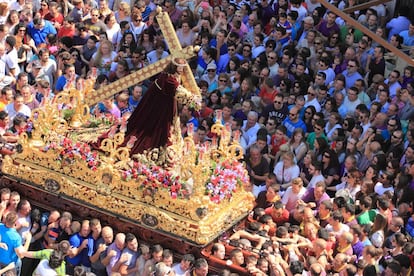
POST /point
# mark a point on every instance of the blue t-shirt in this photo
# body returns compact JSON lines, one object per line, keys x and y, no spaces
{"x":39,"y":35}
{"x":291,"y":126}
{"x":60,"y":83}
{"x":82,"y":258}
{"x":133,"y":103}
{"x":13,"y":240}
{"x":223,"y":48}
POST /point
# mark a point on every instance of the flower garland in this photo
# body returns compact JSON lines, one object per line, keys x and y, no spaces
{"x":69,"y":150}
{"x":226,"y":177}
{"x":185,"y":97}
{"x":155,"y":177}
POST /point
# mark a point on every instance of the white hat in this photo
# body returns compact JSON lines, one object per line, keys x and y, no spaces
{"x":211,"y":65}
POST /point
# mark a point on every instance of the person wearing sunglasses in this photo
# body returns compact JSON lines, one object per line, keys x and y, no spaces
{"x":94,"y":25}
{"x":293,"y":121}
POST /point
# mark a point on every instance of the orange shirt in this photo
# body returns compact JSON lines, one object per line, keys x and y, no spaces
{"x":266,"y":96}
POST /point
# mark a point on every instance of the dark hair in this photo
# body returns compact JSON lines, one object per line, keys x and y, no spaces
{"x":323,"y":234}
{"x":317,"y":165}
{"x":35,"y":215}
{"x":337,"y":215}
{"x":18,"y":26}
{"x":56,"y":259}
{"x":20,"y":118}
{"x":349,"y":208}
{"x":3,"y":115}
{"x":102,"y":78}
{"x":188,"y":258}
{"x":67,"y":41}
{"x":171,"y":68}
{"x":340,"y":202}
{"x":296,"y":267}
{"x":156,"y":248}
{"x":236,"y":60}
{"x":123,"y":24}
{"x":381,"y":162}
{"x":129,"y":237}
{"x":323,"y":144}
{"x":200,"y":263}
{"x":51,"y":39}
{"x":351,"y":123}
{"x":278,"y":205}
{"x":212,"y":52}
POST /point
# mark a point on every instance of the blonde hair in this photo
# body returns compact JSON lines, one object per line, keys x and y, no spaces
{"x":125,"y":6}
{"x":297,"y":181}
{"x":123,"y":97}
{"x":4,"y":7}
{"x":98,"y":60}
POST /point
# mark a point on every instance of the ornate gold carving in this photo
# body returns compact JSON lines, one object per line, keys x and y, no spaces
{"x":176,"y":50}
{"x":172,"y":186}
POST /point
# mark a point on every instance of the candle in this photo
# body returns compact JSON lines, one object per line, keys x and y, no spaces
{"x":228,"y":130}
{"x":219,"y":115}
{"x":187,"y":147}
{"x":190,"y":129}
{"x":201,"y":153}
{"x":236,"y":136}
{"x":131,"y":141}
{"x":94,"y":72}
{"x":112,"y":132}
{"x":81,"y":85}
{"x":214,"y":142}
{"x":123,"y":127}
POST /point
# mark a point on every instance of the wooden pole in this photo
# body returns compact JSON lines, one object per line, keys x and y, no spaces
{"x":366,"y":31}
{"x":365,"y":5}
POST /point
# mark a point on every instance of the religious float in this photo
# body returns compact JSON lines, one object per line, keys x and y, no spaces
{"x":183,"y":195}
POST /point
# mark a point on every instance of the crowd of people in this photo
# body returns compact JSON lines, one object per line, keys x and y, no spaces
{"x":325,"y":114}
{"x":53,"y":243}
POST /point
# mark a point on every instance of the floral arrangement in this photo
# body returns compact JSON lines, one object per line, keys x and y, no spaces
{"x":96,"y":121}
{"x":69,"y":150}
{"x":226,"y":177}
{"x":155,"y":177}
{"x":185,"y":97}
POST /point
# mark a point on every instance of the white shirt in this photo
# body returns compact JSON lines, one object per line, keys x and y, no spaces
{"x":273,"y":70}
{"x":302,"y":12}
{"x":394,"y":87}
{"x":137,"y":30}
{"x":330,"y":132}
{"x":285,"y":175}
{"x":315,"y":179}
{"x":152,"y":56}
{"x":11,"y":62}
{"x":16,"y":6}
{"x":178,"y":271}
{"x":380,"y":190}
{"x":330,"y":75}
{"x":313,"y":102}
{"x":43,"y":269}
{"x":112,"y":31}
{"x":50,"y":70}
{"x":257,"y":50}
{"x":352,"y":191}
{"x":250,"y":135}
{"x":290,"y":199}
{"x":25,"y":229}
{"x":350,"y":106}
{"x":25,"y":110}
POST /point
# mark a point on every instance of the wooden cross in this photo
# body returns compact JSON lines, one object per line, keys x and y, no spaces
{"x":176,"y":50}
